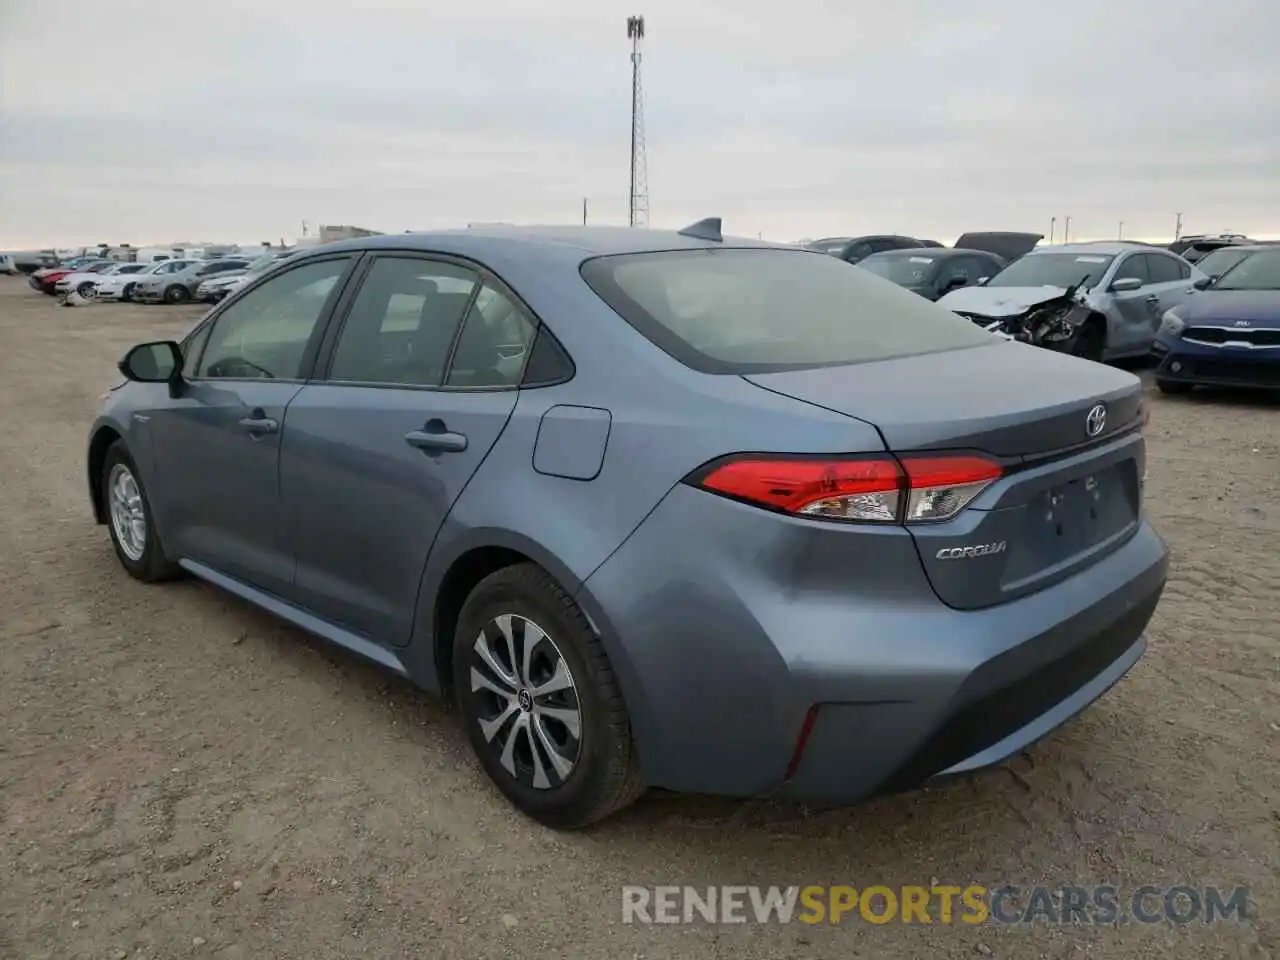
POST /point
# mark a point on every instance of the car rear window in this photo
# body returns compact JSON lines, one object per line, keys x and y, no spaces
{"x":754,"y":311}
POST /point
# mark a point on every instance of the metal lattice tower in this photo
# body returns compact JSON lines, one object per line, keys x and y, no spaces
{"x":638,"y":201}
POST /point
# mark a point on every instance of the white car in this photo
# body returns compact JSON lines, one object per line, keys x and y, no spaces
{"x":86,"y":283}
{"x":119,"y":286}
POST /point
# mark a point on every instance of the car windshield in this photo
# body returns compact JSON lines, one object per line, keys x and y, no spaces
{"x":1220,"y":261}
{"x":1053,"y":270}
{"x":752,"y":311}
{"x":905,"y":271}
{"x":1259,"y":271}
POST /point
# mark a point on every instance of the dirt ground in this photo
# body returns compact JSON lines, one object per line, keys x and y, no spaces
{"x":182,"y":776}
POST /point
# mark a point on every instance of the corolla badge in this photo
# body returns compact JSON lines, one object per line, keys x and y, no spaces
{"x":1095,"y":421}
{"x":968,"y":553}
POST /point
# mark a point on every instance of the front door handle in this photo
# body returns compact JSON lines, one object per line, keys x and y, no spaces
{"x":435,"y":437}
{"x":258,"y":423}
{"x":1153,"y":299}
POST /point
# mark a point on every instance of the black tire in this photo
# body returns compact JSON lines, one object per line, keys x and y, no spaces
{"x":85,"y":289}
{"x":177,"y":294}
{"x":151,"y":566}
{"x":605,"y":775}
{"x":1091,"y":342}
{"x":127,"y":293}
{"x":1173,"y":387}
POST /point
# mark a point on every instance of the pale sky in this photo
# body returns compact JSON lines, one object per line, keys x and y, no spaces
{"x":232,"y":120}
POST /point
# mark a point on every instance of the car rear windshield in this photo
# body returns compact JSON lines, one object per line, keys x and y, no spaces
{"x":754,"y":311}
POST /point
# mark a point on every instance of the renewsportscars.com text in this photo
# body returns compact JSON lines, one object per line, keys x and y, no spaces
{"x":937,"y":904}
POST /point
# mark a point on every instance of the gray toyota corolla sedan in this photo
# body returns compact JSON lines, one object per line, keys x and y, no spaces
{"x":654,"y":508}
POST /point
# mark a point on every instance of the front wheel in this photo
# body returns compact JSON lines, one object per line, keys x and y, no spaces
{"x":177,"y":294}
{"x":1091,"y":341}
{"x":130,"y":519}
{"x":85,"y":289}
{"x":540,"y":702}
{"x":127,"y":293}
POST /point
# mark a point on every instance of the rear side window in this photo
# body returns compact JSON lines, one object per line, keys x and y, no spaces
{"x":754,"y":311}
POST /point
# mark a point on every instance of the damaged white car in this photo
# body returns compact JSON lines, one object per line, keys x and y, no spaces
{"x":1102,"y":301}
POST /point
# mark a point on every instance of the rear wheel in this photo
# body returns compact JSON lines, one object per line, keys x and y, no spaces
{"x":540,"y":701}
{"x":130,"y":520}
{"x":177,"y":294}
{"x":1173,"y":387}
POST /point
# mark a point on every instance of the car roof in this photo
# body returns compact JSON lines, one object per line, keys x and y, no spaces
{"x":1110,"y":248}
{"x":545,"y":243}
{"x":935,"y":252}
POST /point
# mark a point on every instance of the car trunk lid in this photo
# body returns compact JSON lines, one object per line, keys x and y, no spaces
{"x":1068,"y":496}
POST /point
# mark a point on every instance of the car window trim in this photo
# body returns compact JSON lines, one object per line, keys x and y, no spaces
{"x":310,"y":353}
{"x":484,"y":275}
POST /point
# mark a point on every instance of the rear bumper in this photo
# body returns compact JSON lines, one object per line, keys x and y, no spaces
{"x":720,"y":664}
{"x":1227,"y":367}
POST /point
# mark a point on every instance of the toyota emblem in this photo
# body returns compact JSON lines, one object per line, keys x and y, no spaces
{"x":1095,"y":420}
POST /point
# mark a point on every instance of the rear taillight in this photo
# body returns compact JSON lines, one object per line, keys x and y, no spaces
{"x":908,"y":489}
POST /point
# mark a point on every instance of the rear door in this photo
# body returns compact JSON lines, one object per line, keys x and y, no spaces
{"x":418,"y":382}
{"x":1170,"y":284}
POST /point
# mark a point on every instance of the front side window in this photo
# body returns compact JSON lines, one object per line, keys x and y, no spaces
{"x":402,"y":322}
{"x":494,"y":345}
{"x":1162,"y":269}
{"x":754,"y":311}
{"x":1053,"y":270}
{"x":265,"y":333}
{"x":1133,"y":267}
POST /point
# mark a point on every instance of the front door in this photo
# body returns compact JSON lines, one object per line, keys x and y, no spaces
{"x":376,"y":452}
{"x":1137,"y":310}
{"x":217,"y":446}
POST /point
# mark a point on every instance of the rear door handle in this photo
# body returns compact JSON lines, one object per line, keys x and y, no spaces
{"x":435,"y":437}
{"x":1153,"y":299}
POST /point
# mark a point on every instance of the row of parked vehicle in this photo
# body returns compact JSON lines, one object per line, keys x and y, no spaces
{"x":176,"y":280}
{"x":1215,"y":322}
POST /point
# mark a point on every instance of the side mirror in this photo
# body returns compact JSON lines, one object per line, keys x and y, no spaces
{"x":955,"y":282}
{"x":1126,"y":285}
{"x":982,"y":281}
{"x":158,"y":362}
{"x":1204,"y":283}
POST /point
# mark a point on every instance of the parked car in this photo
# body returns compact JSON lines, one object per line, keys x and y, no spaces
{"x":1229,"y":334}
{"x":655,"y":508}
{"x":934,"y":271}
{"x":1195,"y":248}
{"x":217,"y":287}
{"x":1008,"y":245}
{"x":84,"y":282}
{"x":1127,"y":287}
{"x":117,"y":287}
{"x":853,"y":249}
{"x":1215,"y":264}
{"x":46,"y":280}
{"x":179,"y":286}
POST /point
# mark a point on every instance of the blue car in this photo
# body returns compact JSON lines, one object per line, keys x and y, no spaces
{"x":652,"y":508}
{"x":1227,"y":335}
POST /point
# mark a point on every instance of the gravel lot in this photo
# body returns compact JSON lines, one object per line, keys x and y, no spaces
{"x":181,"y":776}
